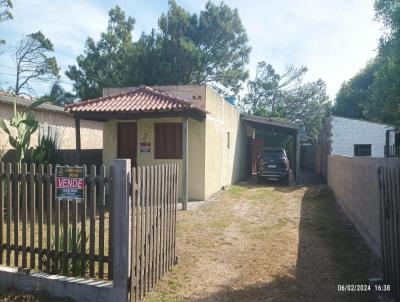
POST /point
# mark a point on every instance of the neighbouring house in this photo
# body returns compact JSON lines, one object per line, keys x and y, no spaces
{"x":191,"y":125}
{"x":353,"y":137}
{"x":55,"y":120}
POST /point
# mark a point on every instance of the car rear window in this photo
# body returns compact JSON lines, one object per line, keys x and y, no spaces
{"x":268,"y":154}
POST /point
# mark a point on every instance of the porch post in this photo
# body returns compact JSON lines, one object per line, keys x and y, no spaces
{"x":298,"y":157}
{"x":78,"y":140}
{"x":185,"y":166}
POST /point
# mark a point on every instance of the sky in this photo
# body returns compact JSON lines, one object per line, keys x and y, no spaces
{"x":333,"y":38}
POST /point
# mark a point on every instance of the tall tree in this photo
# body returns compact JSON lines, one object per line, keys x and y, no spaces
{"x":5,"y":13}
{"x":374,"y":93}
{"x":195,"y":49}
{"x":186,"y":49}
{"x":33,"y":62}
{"x":105,"y":63}
{"x":58,"y":95}
{"x":353,"y":98}
{"x":285,"y":96}
{"x":267,"y":88}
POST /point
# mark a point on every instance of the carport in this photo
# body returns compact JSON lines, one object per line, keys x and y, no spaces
{"x":273,"y":126}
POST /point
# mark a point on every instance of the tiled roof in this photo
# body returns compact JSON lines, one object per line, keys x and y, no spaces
{"x":6,"y":98}
{"x":142,"y":99}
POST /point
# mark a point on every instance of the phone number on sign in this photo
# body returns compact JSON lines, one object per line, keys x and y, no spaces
{"x":362,"y":288}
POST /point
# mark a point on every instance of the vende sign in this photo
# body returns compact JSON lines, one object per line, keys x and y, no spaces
{"x":70,"y":182}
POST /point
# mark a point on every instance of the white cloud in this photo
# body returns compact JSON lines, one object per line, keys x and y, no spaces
{"x":66,"y":23}
{"x":333,"y":38}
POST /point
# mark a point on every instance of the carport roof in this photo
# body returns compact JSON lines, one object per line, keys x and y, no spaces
{"x":265,"y":123}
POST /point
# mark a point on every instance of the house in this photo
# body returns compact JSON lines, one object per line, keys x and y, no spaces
{"x":191,"y":125}
{"x":353,"y":137}
{"x":54,"y":119}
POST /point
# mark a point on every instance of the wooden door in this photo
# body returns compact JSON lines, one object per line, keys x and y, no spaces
{"x":127,"y":141}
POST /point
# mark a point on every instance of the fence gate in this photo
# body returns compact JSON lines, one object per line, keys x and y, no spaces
{"x":153,"y":226}
{"x":389,"y":184}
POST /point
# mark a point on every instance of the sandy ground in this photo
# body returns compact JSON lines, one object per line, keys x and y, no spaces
{"x":267,"y":243}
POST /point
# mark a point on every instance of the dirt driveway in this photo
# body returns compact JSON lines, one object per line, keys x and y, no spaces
{"x":264,"y":243}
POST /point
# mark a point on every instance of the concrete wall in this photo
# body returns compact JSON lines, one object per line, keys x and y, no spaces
{"x":224,"y":165}
{"x":346,"y":132}
{"x":62,"y":123}
{"x":145,"y":127}
{"x":354,"y":181}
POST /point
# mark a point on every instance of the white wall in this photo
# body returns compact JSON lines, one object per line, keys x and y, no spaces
{"x":346,"y":132}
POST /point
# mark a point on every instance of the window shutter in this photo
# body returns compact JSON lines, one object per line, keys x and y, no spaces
{"x":168,"y":140}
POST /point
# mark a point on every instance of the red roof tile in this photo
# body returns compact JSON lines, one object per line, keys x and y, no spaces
{"x":142,"y":99}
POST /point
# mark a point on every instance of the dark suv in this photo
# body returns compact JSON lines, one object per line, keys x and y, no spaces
{"x":273,"y":163}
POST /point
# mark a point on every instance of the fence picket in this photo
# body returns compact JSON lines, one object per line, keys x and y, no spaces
{"x":24,"y":192}
{"x":15,"y":205}
{"x":92,"y":224}
{"x":49,"y":205}
{"x":157,"y":208}
{"x":32,"y":206}
{"x":102,"y":193}
{"x":110,"y":226}
{"x":65,"y":204}
{"x":9,"y":212}
{"x":151,"y":223}
{"x":83,"y":228}
{"x":75,"y":237}
{"x":40,"y":215}
{"x":57,"y":242}
{"x":390,"y":233}
{"x":133,"y":233}
{"x":138,"y":242}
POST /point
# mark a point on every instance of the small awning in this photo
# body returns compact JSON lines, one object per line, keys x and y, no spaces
{"x":140,"y":102}
{"x":270,"y":124}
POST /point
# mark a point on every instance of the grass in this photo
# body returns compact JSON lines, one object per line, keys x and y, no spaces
{"x":9,"y":295}
{"x":261,"y":243}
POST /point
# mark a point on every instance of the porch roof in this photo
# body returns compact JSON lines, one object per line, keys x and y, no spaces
{"x":145,"y":101}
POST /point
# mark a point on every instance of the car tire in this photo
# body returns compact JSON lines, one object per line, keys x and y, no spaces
{"x":286,"y":180}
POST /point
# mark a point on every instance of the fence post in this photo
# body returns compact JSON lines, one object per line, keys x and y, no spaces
{"x":121,"y":227}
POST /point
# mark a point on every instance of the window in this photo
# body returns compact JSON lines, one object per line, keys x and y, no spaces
{"x":168,"y":140}
{"x":362,"y":150}
{"x":228,"y":139}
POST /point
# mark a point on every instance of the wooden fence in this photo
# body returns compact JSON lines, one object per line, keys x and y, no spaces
{"x":40,"y":232}
{"x":389,"y":184}
{"x":154,"y":199}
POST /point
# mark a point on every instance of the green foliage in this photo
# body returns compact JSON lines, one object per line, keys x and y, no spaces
{"x":285,"y":96}
{"x":5,"y":10}
{"x":5,"y":13}
{"x":352,"y":98}
{"x":187,"y":49}
{"x":79,"y":241}
{"x":22,"y":125}
{"x":374,"y":93}
{"x":105,"y":63}
{"x":47,"y":150}
{"x":33,"y":62}
{"x":58,"y":95}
